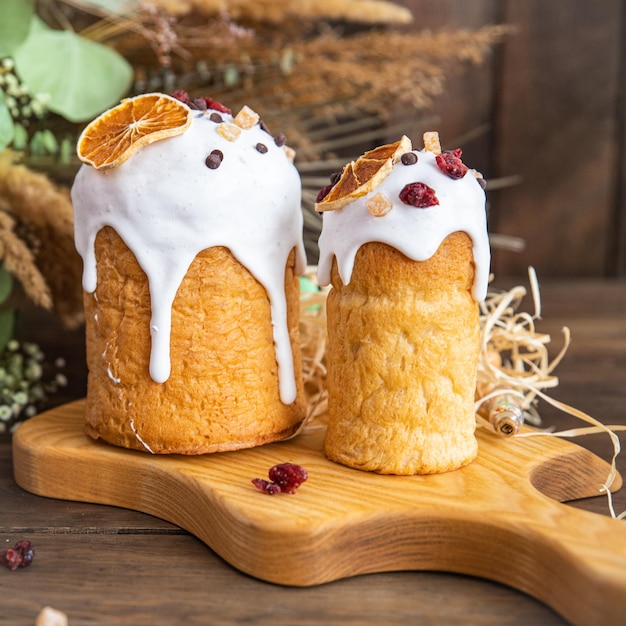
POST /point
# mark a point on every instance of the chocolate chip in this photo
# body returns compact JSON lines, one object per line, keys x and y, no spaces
{"x":280,"y":140}
{"x":261,"y":147}
{"x":264,"y":127}
{"x":334,"y":178}
{"x":216,"y":117}
{"x":198,"y":103}
{"x":214,"y":160}
{"x":409,"y":158}
{"x":482,"y":182}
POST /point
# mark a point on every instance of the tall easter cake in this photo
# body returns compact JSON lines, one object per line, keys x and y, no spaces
{"x":404,"y":243}
{"x":192,"y":245}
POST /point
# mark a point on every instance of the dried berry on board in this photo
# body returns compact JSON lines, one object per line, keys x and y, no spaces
{"x":20,"y":555}
{"x":283,"y":478}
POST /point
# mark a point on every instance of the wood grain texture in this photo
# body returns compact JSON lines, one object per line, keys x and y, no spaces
{"x":485,"y":520}
{"x":557,"y":127}
{"x":107,"y":565}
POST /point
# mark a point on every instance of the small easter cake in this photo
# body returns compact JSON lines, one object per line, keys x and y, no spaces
{"x":404,"y":243}
{"x":189,"y":223}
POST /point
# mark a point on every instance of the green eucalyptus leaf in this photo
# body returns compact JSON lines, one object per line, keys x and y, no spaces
{"x":7,"y":319}
{"x":20,"y":137}
{"x":15,"y":20}
{"x":6,"y":123}
{"x":36,"y":146}
{"x":82,"y":77}
{"x":66,"y":150}
{"x":6,"y":284}
{"x":50,"y":142}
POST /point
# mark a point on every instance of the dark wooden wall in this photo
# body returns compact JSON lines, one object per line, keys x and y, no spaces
{"x":549,"y":107}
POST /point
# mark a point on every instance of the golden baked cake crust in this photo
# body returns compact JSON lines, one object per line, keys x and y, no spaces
{"x":402,"y":352}
{"x":223,"y":392}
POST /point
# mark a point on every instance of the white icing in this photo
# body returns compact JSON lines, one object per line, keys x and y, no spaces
{"x":139,"y":439}
{"x":415,"y":232}
{"x":168,"y":206}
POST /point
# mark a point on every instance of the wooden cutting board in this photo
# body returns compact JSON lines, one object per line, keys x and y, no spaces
{"x":498,"y":518}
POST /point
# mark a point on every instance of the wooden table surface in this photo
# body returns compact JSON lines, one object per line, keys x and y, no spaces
{"x":104,"y":565}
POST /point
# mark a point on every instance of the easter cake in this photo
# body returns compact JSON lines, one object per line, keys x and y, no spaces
{"x":189,"y":223}
{"x":404,"y":244}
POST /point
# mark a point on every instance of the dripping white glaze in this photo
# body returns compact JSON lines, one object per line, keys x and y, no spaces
{"x":168,"y":206}
{"x":417,"y":233}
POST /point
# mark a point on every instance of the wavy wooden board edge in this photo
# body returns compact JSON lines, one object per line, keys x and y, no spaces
{"x":484,"y":520}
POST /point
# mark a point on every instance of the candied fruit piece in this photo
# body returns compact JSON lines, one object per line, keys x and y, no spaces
{"x":229,"y":131}
{"x":379,"y":205}
{"x":431,"y":142}
{"x":419,"y":195}
{"x":290,"y":152}
{"x":246,"y":118}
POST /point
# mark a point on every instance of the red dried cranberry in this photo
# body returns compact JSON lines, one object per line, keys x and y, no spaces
{"x":284,"y":477}
{"x":20,"y":555}
{"x":27,"y":550}
{"x":11,"y":558}
{"x":449,"y":162}
{"x":335,"y":176}
{"x":288,"y":476}
{"x":323,"y":192}
{"x":418,"y":195}
{"x":271,"y":489}
{"x":216,"y":106}
{"x":183,"y":96}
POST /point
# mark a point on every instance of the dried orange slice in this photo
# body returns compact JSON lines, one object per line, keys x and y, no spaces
{"x":361,"y":176}
{"x":118,"y":133}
